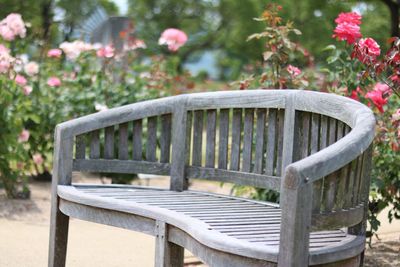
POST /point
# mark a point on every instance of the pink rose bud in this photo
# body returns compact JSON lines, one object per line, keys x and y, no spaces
{"x":174,"y":38}
{"x":23,"y":136}
{"x":27,"y":90}
{"x":54,"y":53}
{"x":53,"y":82}
{"x":32,"y":68}
{"x":38,"y":159}
{"x":20,"y":80}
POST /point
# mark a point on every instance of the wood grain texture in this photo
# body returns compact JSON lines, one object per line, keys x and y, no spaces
{"x":80,"y":146}
{"x":198,"y":119}
{"x":95,"y":144}
{"x":109,"y":143}
{"x":260,"y":141}
{"x":211,"y":134}
{"x":236,"y":139}
{"x":271,"y":142}
{"x":248,"y":139}
{"x":123,"y":147}
{"x":151,"y":145}
{"x":137,"y":140}
{"x":165,"y":138}
{"x":223,"y":139}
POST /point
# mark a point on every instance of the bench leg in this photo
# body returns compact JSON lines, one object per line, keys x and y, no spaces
{"x":58,"y":236}
{"x":167,"y":254}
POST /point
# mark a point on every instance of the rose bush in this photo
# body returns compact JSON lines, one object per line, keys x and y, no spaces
{"x":77,"y":78}
{"x":355,"y":68}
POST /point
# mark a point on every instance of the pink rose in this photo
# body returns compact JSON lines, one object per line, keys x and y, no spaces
{"x":107,"y":51}
{"x":293,"y":71}
{"x":38,"y":159}
{"x":27,"y":90}
{"x":20,"y":80}
{"x":6,"y":33}
{"x":396,"y":116}
{"x":350,"y":17}
{"x":384,"y":88}
{"x":174,"y":38}
{"x":16,"y":24}
{"x":32,"y":68}
{"x":54,"y":53}
{"x":5,"y":62}
{"x":347,"y":32}
{"x":367,"y":49}
{"x":376,"y":97}
{"x":23,"y":136}
{"x":4,"y":50}
{"x":53,"y":82}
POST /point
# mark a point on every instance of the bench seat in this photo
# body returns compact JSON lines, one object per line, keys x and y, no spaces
{"x":226,"y":224}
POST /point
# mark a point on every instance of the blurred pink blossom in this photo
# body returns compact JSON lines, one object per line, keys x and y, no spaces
{"x":347,"y":32}
{"x":32,"y":68}
{"x":5,"y":61}
{"x":27,"y":90}
{"x":12,"y":26}
{"x":20,"y":80}
{"x":174,"y":38}
{"x":4,"y":49}
{"x":384,"y":88}
{"x":73,"y":49}
{"x":135,"y":44}
{"x":349,"y":17}
{"x":368,"y":49}
{"x":106,"y":51}
{"x":37,"y":159}
{"x":293,"y":71}
{"x":396,"y":116}
{"x":53,"y":82}
{"x":23,"y":136}
{"x":55,"y":52}
{"x":376,"y":97}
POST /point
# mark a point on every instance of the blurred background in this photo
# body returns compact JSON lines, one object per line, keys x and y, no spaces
{"x":217,"y":29}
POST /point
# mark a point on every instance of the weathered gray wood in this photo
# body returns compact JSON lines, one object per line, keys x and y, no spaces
{"x":197,"y":137}
{"x":211,"y":133}
{"x":179,"y":129}
{"x":288,"y":135}
{"x":62,"y":174}
{"x":137,"y":140}
{"x":95,"y":144}
{"x":260,"y":141}
{"x":121,"y":166}
{"x":297,"y":185}
{"x":296,"y":221}
{"x":165,"y":138}
{"x":248,"y":139}
{"x":109,"y":143}
{"x":330,"y":182}
{"x":280,"y":165}
{"x":167,"y":254}
{"x":315,"y":139}
{"x":123,"y":148}
{"x":223,"y":138}
{"x":236,"y":139}
{"x":271,"y":142}
{"x":257,"y":180}
{"x":80,"y":146}
{"x":151,"y":144}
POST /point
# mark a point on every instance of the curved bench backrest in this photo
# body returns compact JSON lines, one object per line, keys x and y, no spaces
{"x":244,"y":137}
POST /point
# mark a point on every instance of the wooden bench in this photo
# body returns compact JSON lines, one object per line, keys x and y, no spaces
{"x":314,"y":148}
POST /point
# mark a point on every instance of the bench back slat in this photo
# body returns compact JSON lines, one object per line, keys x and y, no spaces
{"x":137,"y":139}
{"x":198,"y":120}
{"x":211,"y":132}
{"x":223,"y":139}
{"x":260,"y":143}
{"x":95,"y":144}
{"x":109,"y":143}
{"x":123,"y":149}
{"x":236,"y":139}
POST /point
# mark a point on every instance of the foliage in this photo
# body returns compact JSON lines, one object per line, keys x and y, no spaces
{"x":356,"y":69}
{"x":68,"y":82}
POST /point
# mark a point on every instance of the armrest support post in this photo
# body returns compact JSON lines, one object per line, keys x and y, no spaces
{"x":296,"y":220}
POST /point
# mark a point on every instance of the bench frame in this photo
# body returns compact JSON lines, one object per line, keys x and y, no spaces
{"x":296,"y":185}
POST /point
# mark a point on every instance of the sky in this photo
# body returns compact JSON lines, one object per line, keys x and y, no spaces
{"x":122,"y":5}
